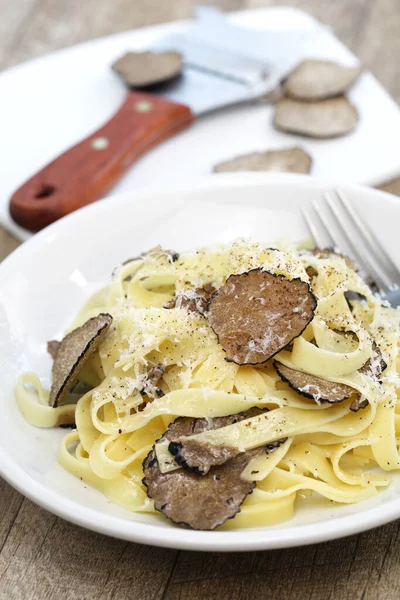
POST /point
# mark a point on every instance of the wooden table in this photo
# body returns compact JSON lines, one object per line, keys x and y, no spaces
{"x":43,"y":557}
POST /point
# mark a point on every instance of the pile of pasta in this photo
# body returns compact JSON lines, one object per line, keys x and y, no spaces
{"x":325,"y":448}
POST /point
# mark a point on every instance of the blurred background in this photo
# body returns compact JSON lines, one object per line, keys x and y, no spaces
{"x":31,"y":28}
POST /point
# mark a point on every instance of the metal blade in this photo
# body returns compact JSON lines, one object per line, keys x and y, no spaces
{"x":270,"y":46}
{"x":217,"y":60}
{"x":213,"y":78}
{"x":205,"y":92}
{"x":225,"y":64}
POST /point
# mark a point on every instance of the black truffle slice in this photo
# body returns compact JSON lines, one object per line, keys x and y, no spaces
{"x":142,"y":69}
{"x":329,"y":253}
{"x":256,"y":314}
{"x":193,"y":300}
{"x":200,"y":457}
{"x":311,"y":272}
{"x":358,"y":403}
{"x":197,"y":501}
{"x":323,"y":119}
{"x":287,"y":160}
{"x":72,"y":354}
{"x":66,"y":421}
{"x":52,"y":348}
{"x":273,"y":96}
{"x":319,"y":79}
{"x":155,"y":252}
{"x":313,"y":387}
{"x":375,"y":365}
{"x":150,"y":386}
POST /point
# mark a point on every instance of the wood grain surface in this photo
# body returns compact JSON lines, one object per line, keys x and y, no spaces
{"x":43,"y":557}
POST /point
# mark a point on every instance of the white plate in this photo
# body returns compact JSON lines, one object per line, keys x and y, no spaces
{"x":50,"y":103}
{"x":45,"y":281}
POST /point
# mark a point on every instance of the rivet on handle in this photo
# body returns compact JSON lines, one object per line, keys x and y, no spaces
{"x":143,"y":106}
{"x":100,"y":143}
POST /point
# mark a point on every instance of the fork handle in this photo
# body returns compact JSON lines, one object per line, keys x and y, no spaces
{"x":85,"y":172}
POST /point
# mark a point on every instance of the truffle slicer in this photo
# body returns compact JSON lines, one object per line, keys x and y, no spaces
{"x":223,"y":65}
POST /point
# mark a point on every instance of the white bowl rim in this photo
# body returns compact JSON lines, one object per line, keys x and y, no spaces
{"x":186,"y":539}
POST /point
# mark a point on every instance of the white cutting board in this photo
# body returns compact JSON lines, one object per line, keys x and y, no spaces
{"x":50,"y":103}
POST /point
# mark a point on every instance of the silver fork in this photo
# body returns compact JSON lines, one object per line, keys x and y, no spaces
{"x":335,"y":223}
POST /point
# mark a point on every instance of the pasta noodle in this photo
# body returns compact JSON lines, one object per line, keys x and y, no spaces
{"x":327,"y":449}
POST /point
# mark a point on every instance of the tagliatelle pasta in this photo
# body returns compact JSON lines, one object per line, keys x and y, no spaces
{"x":161,"y":360}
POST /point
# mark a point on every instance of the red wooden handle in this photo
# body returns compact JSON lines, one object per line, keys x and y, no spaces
{"x":87,"y":171}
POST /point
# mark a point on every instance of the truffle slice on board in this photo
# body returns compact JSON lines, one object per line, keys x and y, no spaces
{"x":74,"y":350}
{"x":198,"y":501}
{"x":287,"y":160}
{"x":142,"y":69}
{"x":319,"y":79}
{"x":320,"y":390}
{"x":324,"y":119}
{"x":256,"y":314}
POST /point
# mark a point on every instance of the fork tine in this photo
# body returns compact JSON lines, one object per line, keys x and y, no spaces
{"x":323,"y":223}
{"x":315,"y":233}
{"x":370,"y":266}
{"x":322,"y":220}
{"x":336,"y":245}
{"x":369,"y":238}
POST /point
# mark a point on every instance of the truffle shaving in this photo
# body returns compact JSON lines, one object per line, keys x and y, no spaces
{"x":150,"y":386}
{"x":319,"y":79}
{"x":358,"y":403}
{"x":72,"y":354}
{"x":155,"y":253}
{"x":311,"y":272}
{"x":329,"y":253}
{"x":256,"y":314}
{"x":313,"y":387}
{"x":287,"y":160}
{"x":200,"y":457}
{"x":142,"y":69}
{"x":323,"y":119}
{"x":193,"y":300}
{"x":375,"y":366}
{"x":197,"y":501}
